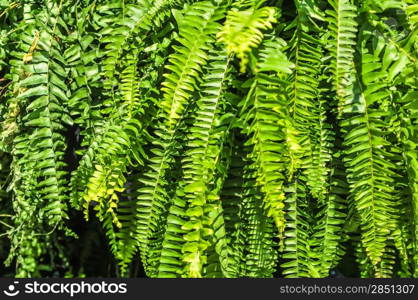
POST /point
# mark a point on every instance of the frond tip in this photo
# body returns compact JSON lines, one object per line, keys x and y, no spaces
{"x":242,"y":31}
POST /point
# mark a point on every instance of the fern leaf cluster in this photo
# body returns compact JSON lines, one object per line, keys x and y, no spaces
{"x":205,"y":139}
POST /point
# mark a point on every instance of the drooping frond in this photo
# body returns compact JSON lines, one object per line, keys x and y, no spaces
{"x":197,"y":30}
{"x":82,"y":59}
{"x":40,"y":102}
{"x":260,"y":253}
{"x":200,"y":166}
{"x":264,"y":112}
{"x":343,"y":27}
{"x":233,"y":210}
{"x":322,"y":141}
{"x":131,"y":29}
{"x":297,"y":256}
{"x":328,"y":230}
{"x":242,"y":31}
{"x":306,"y":104}
{"x":370,"y":167}
{"x":201,"y":194}
{"x":108,"y":177}
{"x":411,"y":158}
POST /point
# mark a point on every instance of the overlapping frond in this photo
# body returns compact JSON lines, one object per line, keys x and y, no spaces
{"x":306,"y":106}
{"x":297,"y":253}
{"x":209,"y":138}
{"x":332,"y":214}
{"x":39,"y":115}
{"x":139,"y":18}
{"x":264,"y":111}
{"x":243,"y":30}
{"x":260,"y":250}
{"x":367,"y":156}
{"x":197,"y":30}
{"x":233,"y":210}
{"x":343,"y":27}
{"x":200,"y":165}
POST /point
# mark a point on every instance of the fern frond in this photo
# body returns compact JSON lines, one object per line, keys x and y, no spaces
{"x":118,"y":149}
{"x":45,"y":89}
{"x":135,"y":99}
{"x":242,"y":31}
{"x":328,"y":230}
{"x":39,"y":176}
{"x":265,"y":112}
{"x":320,"y":160}
{"x":370,"y":167}
{"x":386,"y":267}
{"x":343,"y":26}
{"x":199,"y":169}
{"x":306,"y":106}
{"x":203,"y":154}
{"x":125,"y":236}
{"x":82,"y":60}
{"x":297,"y":253}
{"x":108,"y":178}
{"x":260,"y":254}
{"x":131,"y":29}
{"x":409,"y":138}
{"x":233,"y":210}
{"x":197,"y":32}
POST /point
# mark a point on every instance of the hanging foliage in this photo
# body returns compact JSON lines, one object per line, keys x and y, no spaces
{"x":213,"y":138}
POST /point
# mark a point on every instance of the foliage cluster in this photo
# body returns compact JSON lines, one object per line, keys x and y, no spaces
{"x":215,"y":138}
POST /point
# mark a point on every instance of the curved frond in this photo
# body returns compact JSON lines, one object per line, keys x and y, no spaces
{"x":366,"y":157}
{"x":184,"y":67}
{"x":242,"y":30}
{"x":343,"y":26}
{"x":39,"y":175}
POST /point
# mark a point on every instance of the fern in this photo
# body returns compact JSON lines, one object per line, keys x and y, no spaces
{"x":306,"y":106}
{"x":199,"y":167}
{"x":365,"y":144}
{"x":185,"y":66}
{"x":208,"y":138}
{"x":266,"y":116}
{"x":242,"y":31}
{"x":233,"y":210}
{"x":140,"y":19}
{"x":260,"y":255}
{"x":38,"y":171}
{"x":342,"y":23}
{"x":297,"y":249}
{"x":331,"y":216}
